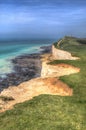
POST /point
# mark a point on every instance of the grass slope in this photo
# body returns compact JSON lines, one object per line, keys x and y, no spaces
{"x":47,"y":112}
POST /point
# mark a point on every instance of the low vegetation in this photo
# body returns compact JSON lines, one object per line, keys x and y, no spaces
{"x":47,"y":112}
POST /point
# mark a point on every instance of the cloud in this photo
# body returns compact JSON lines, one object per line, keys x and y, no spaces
{"x":18,"y":18}
{"x":12,"y":15}
{"x":41,"y":20}
{"x":48,"y":16}
{"x":44,"y":2}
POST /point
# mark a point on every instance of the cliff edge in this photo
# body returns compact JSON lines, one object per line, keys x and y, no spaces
{"x":48,"y":83}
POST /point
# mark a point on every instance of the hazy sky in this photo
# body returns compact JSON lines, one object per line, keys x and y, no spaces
{"x":42,"y":18}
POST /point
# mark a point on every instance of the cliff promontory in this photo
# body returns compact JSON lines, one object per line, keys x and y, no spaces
{"x":47,"y":83}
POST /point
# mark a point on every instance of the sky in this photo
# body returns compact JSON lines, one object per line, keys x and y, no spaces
{"x":42,"y":18}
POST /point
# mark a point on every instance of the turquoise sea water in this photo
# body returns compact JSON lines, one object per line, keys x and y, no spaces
{"x":11,"y":49}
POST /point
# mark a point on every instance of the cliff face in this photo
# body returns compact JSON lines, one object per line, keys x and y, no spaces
{"x":27,"y":90}
{"x":61,"y":54}
{"x":57,"y":70}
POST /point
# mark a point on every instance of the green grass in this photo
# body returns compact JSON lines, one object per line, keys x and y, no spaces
{"x":47,"y":112}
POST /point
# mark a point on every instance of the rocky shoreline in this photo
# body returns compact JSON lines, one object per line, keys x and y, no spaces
{"x":25,"y":67}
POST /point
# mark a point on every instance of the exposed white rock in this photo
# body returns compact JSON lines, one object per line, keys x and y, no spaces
{"x":57,"y":70}
{"x":61,"y":54}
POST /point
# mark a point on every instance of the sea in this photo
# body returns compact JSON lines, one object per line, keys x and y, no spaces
{"x":13,"y":48}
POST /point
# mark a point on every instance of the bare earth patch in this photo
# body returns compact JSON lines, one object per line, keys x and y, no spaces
{"x":27,"y":90}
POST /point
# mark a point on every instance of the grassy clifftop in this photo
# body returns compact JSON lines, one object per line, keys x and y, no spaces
{"x":69,"y":43}
{"x":77,"y":46}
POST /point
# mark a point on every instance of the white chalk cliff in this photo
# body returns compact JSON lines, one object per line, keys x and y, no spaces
{"x":61,"y":54}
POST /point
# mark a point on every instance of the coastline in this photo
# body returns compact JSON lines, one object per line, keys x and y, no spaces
{"x":25,"y":67}
{"x":44,"y":80}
